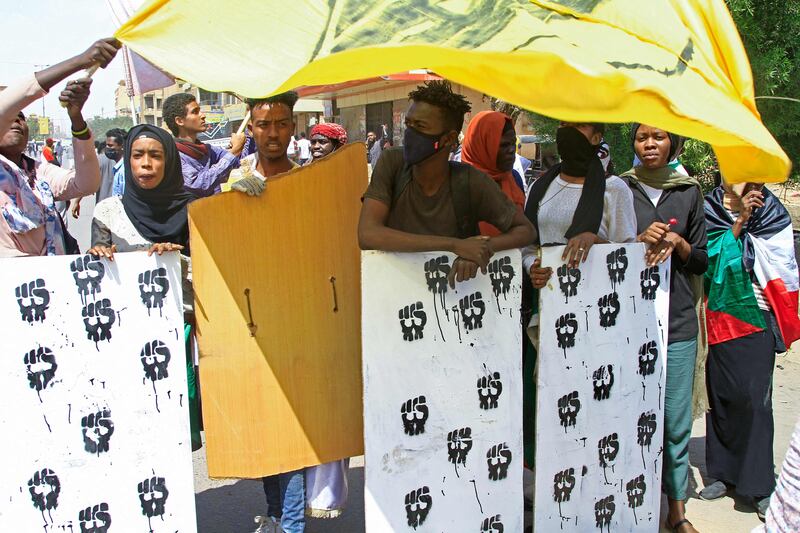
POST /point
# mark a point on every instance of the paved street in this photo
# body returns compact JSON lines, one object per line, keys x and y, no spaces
{"x":229,"y":506}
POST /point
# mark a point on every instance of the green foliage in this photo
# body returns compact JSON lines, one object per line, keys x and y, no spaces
{"x":769,"y":30}
{"x":100,"y":125}
{"x":33,"y":128}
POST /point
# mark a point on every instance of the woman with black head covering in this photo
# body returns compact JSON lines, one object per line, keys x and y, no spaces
{"x":576,"y":205}
{"x":152,"y":216}
{"x":670,"y":220}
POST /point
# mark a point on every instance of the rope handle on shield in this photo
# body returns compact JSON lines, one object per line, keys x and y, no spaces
{"x":250,"y":325}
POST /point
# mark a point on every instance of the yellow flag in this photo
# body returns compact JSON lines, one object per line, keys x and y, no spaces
{"x":676,"y":64}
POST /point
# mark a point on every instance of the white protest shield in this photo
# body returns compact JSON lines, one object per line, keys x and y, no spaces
{"x":93,"y":384}
{"x":442,"y":394}
{"x":601,"y":371}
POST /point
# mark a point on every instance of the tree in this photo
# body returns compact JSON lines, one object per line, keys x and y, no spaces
{"x":100,"y":125}
{"x":769,"y":31}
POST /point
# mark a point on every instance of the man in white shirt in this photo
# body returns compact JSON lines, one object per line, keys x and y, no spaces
{"x":303,"y":149}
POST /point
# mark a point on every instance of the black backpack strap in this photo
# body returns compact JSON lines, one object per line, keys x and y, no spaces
{"x":462,"y":200}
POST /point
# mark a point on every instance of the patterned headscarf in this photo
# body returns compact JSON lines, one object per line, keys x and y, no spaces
{"x":332,"y":131}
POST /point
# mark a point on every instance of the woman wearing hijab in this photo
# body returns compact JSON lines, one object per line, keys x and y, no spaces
{"x":151,"y":215}
{"x":571,"y":204}
{"x":326,"y":138}
{"x":751,"y":286}
{"x":490,"y":146}
{"x":326,"y":484}
{"x":662,"y":194}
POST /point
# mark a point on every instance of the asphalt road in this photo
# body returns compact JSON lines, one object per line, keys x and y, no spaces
{"x":229,"y":506}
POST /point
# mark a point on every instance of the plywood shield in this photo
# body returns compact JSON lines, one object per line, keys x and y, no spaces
{"x":286,"y":266}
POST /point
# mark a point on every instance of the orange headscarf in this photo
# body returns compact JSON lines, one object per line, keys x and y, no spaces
{"x":481,"y":144}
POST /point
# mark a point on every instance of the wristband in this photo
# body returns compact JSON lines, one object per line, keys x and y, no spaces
{"x":81,"y":133}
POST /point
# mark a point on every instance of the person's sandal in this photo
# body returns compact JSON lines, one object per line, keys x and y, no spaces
{"x":714,"y":491}
{"x":674,"y":527}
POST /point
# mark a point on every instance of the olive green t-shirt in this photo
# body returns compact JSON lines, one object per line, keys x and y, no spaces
{"x":414,"y":212}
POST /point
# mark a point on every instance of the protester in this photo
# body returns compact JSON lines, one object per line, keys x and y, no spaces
{"x":291,"y":150}
{"x":373,"y":152}
{"x":269,"y":120}
{"x":418,"y":201}
{"x":152,"y":216}
{"x":205,"y":167}
{"x":751,"y":286}
{"x":325,"y":138}
{"x":490,"y":146}
{"x":326,"y":484}
{"x":669,"y":213}
{"x":271,"y":125}
{"x":48,"y":155}
{"x":28,"y":190}
{"x":783,"y":515}
{"x":303,"y":149}
{"x":58,"y":153}
{"x":111,"y":164}
{"x":574,"y":204}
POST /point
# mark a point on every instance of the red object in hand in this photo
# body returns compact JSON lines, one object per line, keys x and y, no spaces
{"x":673,"y":222}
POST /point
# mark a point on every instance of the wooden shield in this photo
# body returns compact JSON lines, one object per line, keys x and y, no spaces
{"x":286,"y":267}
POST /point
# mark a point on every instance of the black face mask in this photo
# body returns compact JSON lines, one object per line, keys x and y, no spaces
{"x":576,"y":152}
{"x":111,"y":154}
{"x":418,"y":147}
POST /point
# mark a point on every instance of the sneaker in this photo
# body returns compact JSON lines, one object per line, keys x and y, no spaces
{"x":716,"y":490}
{"x":267,"y":524}
{"x":761,"y":506}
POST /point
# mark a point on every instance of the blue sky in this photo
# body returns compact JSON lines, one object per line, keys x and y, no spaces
{"x":42,"y":32}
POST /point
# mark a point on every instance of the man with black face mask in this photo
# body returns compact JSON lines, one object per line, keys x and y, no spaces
{"x":110,"y":159}
{"x":418,"y":201}
{"x":574,"y":203}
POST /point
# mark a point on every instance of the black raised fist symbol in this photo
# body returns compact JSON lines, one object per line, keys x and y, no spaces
{"x":489,"y":389}
{"x":33,"y":299}
{"x":568,"y":407}
{"x":608,"y":306}
{"x":95,"y":519}
{"x":459,"y":443}
{"x":418,"y":505}
{"x":617,"y":263}
{"x":44,"y":487}
{"x":492,"y":524}
{"x":98,"y":318}
{"x":602,"y":381}
{"x":650,"y":280}
{"x":153,"y":287}
{"x":472,"y":310}
{"x":636,"y":489}
{"x":646,"y":428}
{"x":566,"y":328}
{"x":563,"y":483}
{"x":97,"y":430}
{"x":155,"y":358}
{"x":607,"y":449}
{"x":153,"y":496}
{"x":88,"y":272}
{"x":501,"y":273}
{"x":414,"y":413}
{"x":436,"y":272}
{"x":41,"y":367}
{"x":604,"y":511}
{"x":648,"y":354}
{"x":498,"y":458}
{"x":412,"y":321}
{"x":568,"y":279}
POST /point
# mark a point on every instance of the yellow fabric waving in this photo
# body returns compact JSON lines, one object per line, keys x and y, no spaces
{"x":676,"y":64}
